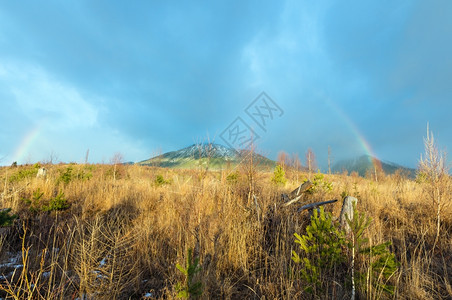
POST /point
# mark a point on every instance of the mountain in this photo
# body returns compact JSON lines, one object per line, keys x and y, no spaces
{"x":365,"y":163}
{"x":213,"y":156}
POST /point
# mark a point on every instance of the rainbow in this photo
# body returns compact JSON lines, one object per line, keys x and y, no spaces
{"x":27,"y":141}
{"x":355,"y":130}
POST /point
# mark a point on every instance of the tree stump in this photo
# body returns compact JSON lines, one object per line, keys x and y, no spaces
{"x":347,"y":211}
{"x":42,"y":173}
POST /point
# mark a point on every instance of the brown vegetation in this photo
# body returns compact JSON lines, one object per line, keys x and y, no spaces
{"x":125,"y":230}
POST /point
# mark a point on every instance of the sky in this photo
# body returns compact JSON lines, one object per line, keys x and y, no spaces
{"x":144,"y":78}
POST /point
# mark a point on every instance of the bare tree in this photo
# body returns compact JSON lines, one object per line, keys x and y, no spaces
{"x":310,"y":161}
{"x":156,"y":158}
{"x":248,"y":167}
{"x":53,"y":157}
{"x":329,"y":159}
{"x":296,"y":164}
{"x":433,"y":167}
{"x":205,"y":152}
{"x":86,"y":157}
{"x":378,"y":171}
{"x":116,"y":160}
{"x":283,"y":159}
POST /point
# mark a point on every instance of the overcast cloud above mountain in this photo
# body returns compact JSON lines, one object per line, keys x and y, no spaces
{"x":147,"y":77}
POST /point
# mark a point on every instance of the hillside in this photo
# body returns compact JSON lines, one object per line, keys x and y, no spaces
{"x":105,"y":232}
{"x":208,"y":155}
{"x":365,"y":163}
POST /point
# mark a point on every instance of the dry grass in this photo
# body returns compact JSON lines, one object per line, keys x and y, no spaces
{"x":123,"y":235}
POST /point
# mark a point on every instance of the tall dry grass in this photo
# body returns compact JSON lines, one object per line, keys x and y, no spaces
{"x":123,"y":234}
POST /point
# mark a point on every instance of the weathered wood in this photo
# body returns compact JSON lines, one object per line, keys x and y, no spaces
{"x":301,"y":189}
{"x":311,"y":206}
{"x":285,"y":198}
{"x":347,"y":211}
{"x":292,"y":201}
{"x":296,"y":194}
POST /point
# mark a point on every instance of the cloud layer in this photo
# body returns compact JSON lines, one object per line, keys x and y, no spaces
{"x":137,"y":78}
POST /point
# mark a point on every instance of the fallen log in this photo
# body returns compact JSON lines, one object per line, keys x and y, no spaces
{"x":311,"y":206}
{"x":296,"y":194}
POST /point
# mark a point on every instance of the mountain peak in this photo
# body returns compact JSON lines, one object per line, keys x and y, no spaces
{"x":203,"y":150}
{"x":216,"y":156}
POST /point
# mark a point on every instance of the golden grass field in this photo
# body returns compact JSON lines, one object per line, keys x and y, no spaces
{"x":123,"y":234}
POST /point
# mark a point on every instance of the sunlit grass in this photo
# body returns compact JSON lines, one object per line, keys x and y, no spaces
{"x":123,"y":233}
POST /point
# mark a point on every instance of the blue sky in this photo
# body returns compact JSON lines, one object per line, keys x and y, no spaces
{"x":151,"y":77}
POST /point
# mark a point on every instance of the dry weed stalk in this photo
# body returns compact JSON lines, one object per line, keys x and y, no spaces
{"x":433,"y":166}
{"x":142,"y":230}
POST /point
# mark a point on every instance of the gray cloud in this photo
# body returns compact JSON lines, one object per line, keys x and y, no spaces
{"x":135,"y":78}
